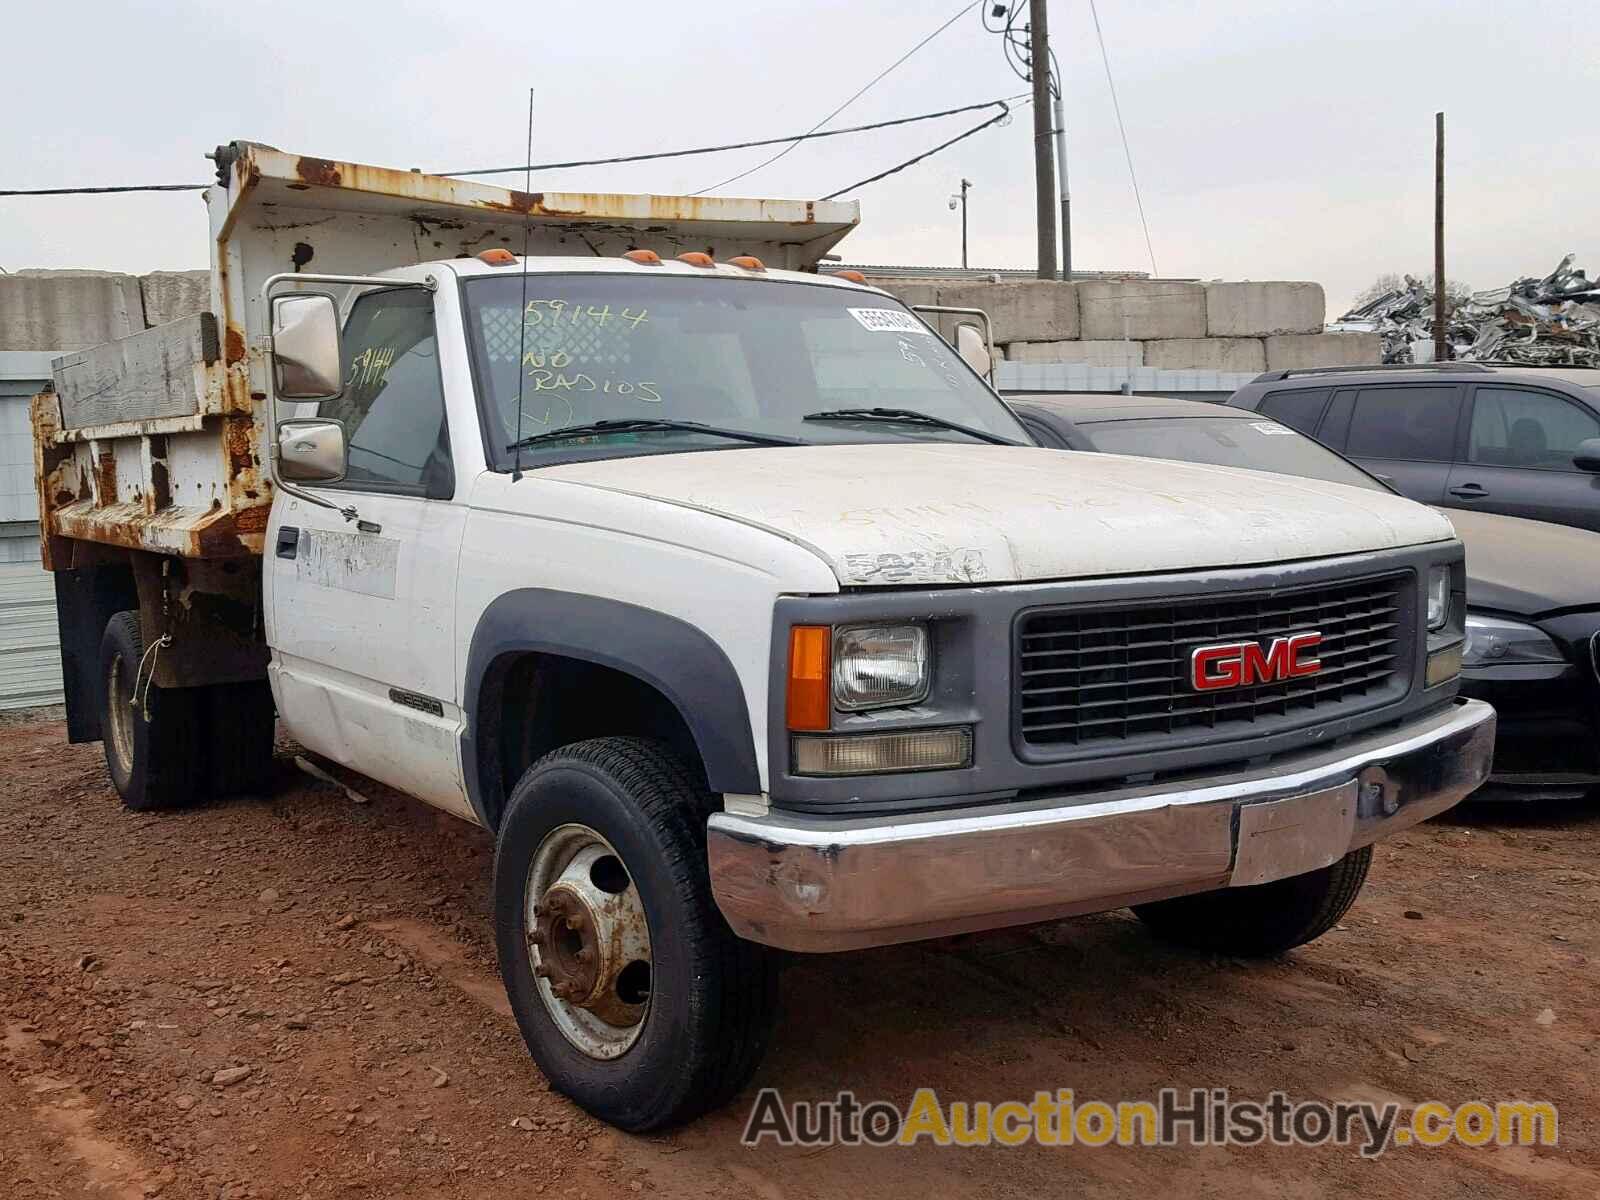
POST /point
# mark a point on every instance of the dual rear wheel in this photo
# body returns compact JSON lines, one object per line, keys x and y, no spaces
{"x":171,"y":747}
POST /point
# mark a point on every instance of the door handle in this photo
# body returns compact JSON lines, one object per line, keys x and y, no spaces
{"x":288,"y":541}
{"x":1470,"y":491}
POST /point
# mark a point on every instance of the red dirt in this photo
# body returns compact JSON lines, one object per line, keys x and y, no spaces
{"x":342,"y":953}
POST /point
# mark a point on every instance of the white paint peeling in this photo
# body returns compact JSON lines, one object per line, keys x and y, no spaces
{"x":353,"y":562}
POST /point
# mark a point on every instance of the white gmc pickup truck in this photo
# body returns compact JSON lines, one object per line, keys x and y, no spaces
{"x":728,"y":597}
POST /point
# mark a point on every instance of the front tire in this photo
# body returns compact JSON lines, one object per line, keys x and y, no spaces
{"x":634,"y":997}
{"x":150,"y":733}
{"x":1265,"y":919}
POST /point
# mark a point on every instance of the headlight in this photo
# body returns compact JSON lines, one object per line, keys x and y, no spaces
{"x":1438,"y":595}
{"x":879,"y":666}
{"x":1492,"y":641}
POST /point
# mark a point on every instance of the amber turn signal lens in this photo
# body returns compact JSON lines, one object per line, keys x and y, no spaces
{"x":697,"y":258}
{"x":748,"y":261}
{"x":852,"y":276}
{"x":497,"y":257}
{"x":810,"y":648}
{"x":645,"y":258}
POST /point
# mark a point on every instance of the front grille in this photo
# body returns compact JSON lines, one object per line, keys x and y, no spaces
{"x":1094,"y":676}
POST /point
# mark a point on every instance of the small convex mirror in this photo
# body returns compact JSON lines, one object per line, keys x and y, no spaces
{"x":311,"y":450}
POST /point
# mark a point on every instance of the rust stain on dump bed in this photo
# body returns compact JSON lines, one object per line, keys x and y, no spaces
{"x":318,"y":171}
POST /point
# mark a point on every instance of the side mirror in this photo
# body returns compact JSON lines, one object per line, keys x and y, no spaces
{"x":974,"y":349}
{"x":1587,"y":457}
{"x":305,"y":347}
{"x":311,"y":450}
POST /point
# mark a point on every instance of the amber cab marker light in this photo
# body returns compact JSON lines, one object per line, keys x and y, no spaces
{"x":749,"y":262}
{"x":497,"y":256}
{"x":697,"y":258}
{"x":810,"y":648}
{"x":645,"y":258}
{"x":852,"y":276}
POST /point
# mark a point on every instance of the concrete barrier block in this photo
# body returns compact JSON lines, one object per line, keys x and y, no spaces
{"x":1206,"y":354}
{"x":1142,"y":309}
{"x":1260,"y":309}
{"x":910,"y":291}
{"x":67,"y":310}
{"x":1035,"y":310}
{"x":172,"y":295}
{"x":1296,"y":351}
{"x":1093,"y":354}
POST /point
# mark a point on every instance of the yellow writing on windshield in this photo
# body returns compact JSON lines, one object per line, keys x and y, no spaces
{"x":563,"y":312}
{"x":559,"y":381}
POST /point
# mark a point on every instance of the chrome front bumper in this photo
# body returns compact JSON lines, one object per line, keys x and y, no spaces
{"x":827,"y":884}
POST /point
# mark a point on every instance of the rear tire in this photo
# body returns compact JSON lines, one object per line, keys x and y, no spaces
{"x":151,"y":734}
{"x":693,"y":1038}
{"x":1265,"y":919}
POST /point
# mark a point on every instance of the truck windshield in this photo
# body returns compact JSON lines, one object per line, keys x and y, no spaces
{"x":742,"y":356}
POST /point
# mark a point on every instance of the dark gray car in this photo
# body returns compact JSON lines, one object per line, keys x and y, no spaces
{"x":1522,"y":441}
{"x":1533,"y":589}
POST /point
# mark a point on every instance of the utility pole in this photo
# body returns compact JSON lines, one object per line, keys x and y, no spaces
{"x":1066,"y":196}
{"x":1044,"y":168}
{"x":962,"y":200}
{"x":1441,"y":342}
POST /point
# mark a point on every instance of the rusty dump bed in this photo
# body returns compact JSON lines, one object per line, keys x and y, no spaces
{"x":157,"y":441}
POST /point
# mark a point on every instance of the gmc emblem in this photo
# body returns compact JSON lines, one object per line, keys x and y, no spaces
{"x":1243,"y":664}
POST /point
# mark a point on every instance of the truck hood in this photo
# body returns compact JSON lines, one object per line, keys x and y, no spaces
{"x":902,"y":514}
{"x":1527,"y":567}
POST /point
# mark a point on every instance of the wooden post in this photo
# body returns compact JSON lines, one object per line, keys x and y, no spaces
{"x":1441,"y":342}
{"x":1044,"y":165}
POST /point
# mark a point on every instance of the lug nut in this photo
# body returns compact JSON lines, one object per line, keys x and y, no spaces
{"x":586,"y":955}
{"x":574,"y":923}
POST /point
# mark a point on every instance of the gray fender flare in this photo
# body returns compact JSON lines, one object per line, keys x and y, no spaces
{"x":679,"y":660}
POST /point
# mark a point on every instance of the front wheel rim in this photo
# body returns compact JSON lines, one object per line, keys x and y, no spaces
{"x":588,"y":941}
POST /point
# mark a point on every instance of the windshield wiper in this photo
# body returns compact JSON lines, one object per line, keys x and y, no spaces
{"x":908,"y":416}
{"x":649,"y":425}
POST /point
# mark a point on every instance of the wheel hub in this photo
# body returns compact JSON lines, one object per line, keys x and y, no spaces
{"x":588,"y":941}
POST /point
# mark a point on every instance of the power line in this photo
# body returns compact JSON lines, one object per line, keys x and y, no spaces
{"x":100,"y":191}
{"x":872,"y":83}
{"x":998,"y":117}
{"x":797,"y":138}
{"x":1122,"y":129}
{"x":560,"y":166}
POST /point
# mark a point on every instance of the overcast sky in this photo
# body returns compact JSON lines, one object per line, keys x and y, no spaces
{"x":1272,"y":140}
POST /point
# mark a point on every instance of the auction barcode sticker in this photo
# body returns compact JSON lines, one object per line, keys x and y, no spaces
{"x":888,"y":320}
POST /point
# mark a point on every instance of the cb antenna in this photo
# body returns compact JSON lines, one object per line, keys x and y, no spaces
{"x":522,"y":310}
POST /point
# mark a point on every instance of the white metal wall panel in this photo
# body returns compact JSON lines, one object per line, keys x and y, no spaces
{"x":1144,"y":381}
{"x":18,"y":499}
{"x":30,"y":658}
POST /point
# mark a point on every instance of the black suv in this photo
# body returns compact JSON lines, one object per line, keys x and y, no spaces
{"x":1523,"y":441}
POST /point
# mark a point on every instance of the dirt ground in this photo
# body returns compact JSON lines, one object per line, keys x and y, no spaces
{"x":336,"y":958}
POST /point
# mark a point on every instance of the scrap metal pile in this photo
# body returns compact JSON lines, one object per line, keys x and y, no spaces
{"x":1555,"y":319}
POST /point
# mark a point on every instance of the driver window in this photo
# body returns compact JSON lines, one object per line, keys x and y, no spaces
{"x":392,"y":405}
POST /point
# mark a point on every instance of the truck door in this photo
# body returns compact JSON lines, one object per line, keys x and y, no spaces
{"x":360,"y":612}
